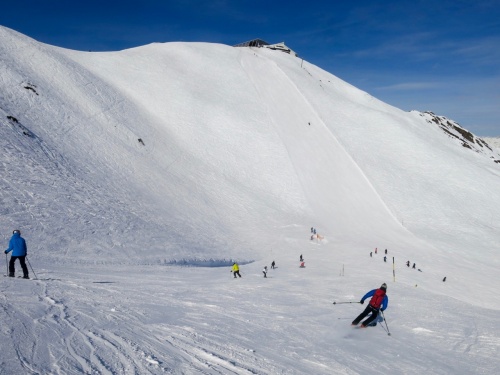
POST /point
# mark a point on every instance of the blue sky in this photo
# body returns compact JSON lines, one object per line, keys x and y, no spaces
{"x":429,"y":55}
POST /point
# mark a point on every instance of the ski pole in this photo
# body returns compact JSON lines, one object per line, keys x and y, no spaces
{"x":31,"y":268}
{"x":338,"y":303}
{"x":6,"y":263}
{"x":382,"y":326}
{"x":383,"y":316}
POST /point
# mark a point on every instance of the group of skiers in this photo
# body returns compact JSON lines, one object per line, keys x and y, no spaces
{"x":236,"y":269}
{"x":385,"y":259}
{"x":408,"y":265}
{"x":378,"y":302}
{"x":376,"y":252}
{"x":315,"y":235}
{"x":273,"y":266}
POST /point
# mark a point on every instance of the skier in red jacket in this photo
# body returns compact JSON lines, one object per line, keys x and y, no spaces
{"x":379,"y":301}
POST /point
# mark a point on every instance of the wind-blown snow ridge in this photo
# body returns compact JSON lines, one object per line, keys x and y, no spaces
{"x":120,"y":167}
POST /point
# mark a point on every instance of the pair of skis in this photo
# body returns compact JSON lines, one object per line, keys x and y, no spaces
{"x":17,"y":277}
{"x":386,"y":328}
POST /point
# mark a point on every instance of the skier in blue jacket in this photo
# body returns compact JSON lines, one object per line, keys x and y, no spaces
{"x":17,"y":245}
{"x":379,"y":301}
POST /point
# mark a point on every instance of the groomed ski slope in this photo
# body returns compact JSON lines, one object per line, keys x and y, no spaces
{"x":243,"y":151}
{"x":197,"y":320}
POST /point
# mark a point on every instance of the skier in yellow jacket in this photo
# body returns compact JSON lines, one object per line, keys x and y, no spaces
{"x":236,"y":270}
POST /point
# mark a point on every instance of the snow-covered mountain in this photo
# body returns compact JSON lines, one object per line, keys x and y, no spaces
{"x":466,"y":138}
{"x":494,"y":142}
{"x":118,"y":167}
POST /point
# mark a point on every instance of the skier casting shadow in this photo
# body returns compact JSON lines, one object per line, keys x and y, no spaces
{"x":379,"y":301}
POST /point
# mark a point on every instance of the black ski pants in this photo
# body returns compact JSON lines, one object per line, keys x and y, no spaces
{"x":236,"y":273}
{"x":371,"y":318}
{"x":22,"y":260}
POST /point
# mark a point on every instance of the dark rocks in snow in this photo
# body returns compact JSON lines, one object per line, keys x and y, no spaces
{"x":31,"y":87}
{"x":24,"y":129}
{"x":466,"y":138}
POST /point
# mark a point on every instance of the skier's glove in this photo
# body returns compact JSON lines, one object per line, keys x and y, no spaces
{"x":6,"y":252}
{"x":362,"y":301}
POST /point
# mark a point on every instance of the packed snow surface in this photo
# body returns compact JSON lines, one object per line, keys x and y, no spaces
{"x":138,"y":177}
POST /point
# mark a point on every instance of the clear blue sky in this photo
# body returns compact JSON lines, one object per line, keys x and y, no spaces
{"x":430,"y":55}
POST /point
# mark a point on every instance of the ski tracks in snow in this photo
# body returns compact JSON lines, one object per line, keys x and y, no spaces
{"x":63,"y":334}
{"x":66,"y":340}
{"x":206,"y":356}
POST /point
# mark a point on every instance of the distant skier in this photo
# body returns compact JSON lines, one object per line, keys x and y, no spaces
{"x":236,"y":270}
{"x":302,"y":265}
{"x":273,"y":264}
{"x":17,"y":245}
{"x":408,"y":264}
{"x":385,"y":251}
{"x":264,"y":271}
{"x":414,"y":265}
{"x":312,"y":229}
{"x":371,"y":254}
{"x":444,"y":279}
{"x":385,"y":258}
{"x":375,"y":250}
{"x":301,"y":259}
{"x":378,"y":302}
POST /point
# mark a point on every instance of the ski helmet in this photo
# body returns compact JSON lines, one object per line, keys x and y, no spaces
{"x":16,"y":231}
{"x":384,"y":286}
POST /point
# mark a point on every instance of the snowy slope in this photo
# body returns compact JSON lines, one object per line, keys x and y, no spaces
{"x":494,"y":142}
{"x":120,"y":166}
